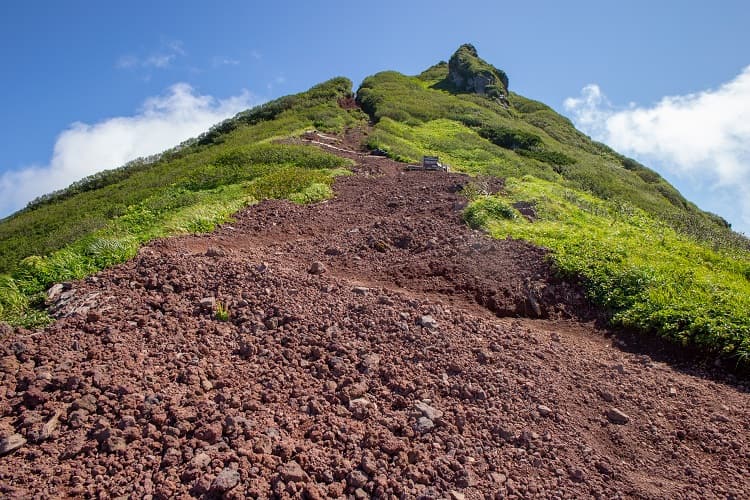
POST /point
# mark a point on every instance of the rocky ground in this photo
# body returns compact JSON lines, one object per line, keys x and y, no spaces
{"x":374,"y":347}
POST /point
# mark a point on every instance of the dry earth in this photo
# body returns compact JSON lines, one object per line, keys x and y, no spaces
{"x":376,"y":347}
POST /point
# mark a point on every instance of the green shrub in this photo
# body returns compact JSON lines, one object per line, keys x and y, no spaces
{"x":315,"y":192}
{"x":509,"y":138}
{"x":102,"y":220}
{"x":486,"y":208}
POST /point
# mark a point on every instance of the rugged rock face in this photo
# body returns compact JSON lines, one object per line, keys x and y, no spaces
{"x":469,"y":73}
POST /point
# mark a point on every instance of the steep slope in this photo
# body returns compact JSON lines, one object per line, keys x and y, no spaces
{"x":653,"y":261}
{"x":362,"y":355}
{"x":481,"y":133}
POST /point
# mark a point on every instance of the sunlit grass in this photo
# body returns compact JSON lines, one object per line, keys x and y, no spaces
{"x":103,"y":221}
{"x":648,"y":276}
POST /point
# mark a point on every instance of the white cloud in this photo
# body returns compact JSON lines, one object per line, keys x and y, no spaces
{"x":224,"y":61}
{"x":127,"y":62}
{"x":702,"y":137}
{"x":162,"y":58}
{"x":159,"y":60}
{"x":82,"y":149}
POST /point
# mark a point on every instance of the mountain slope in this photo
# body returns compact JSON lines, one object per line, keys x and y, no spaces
{"x":369,"y":346}
{"x":103,"y":219}
{"x":479,"y":133}
{"x":651,"y":260}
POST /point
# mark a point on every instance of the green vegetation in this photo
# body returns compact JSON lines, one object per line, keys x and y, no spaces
{"x":416,"y":116}
{"x":104,"y":219}
{"x":653,"y":260}
{"x":645,"y":274}
{"x":222,"y":312}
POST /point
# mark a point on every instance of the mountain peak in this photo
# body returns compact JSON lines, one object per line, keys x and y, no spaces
{"x":470,"y":73}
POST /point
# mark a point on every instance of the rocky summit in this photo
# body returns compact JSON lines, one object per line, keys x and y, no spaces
{"x":470,"y":73}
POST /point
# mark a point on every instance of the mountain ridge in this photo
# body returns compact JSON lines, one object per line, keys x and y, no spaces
{"x":570,"y":183}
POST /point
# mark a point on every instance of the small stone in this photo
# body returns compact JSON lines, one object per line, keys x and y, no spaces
{"x":357,"y":479}
{"x":292,"y":472}
{"x":607,"y":396}
{"x":201,"y":460}
{"x":263,"y":445}
{"x":616,"y":416}
{"x":50,"y":426}
{"x":317,"y":267}
{"x":577,"y":475}
{"x":116,"y":444}
{"x":226,"y":480}
{"x":360,"y":290}
{"x":34,"y":397}
{"x":720,"y":418}
{"x":77,"y":418}
{"x":428,"y":322}
{"x":312,"y":493}
{"x":86,"y":403}
{"x":369,"y":363}
{"x":369,"y":465}
{"x":603,"y":468}
{"x":54,"y":291}
{"x":207,"y":303}
{"x":672,"y":391}
{"x":9,"y":364}
{"x":210,"y":433}
{"x":456,"y":495}
{"x":11,"y":443}
{"x":544,"y":411}
{"x":428,"y":411}
{"x":484,"y":356}
{"x":360,"y":403}
{"x":385,"y":300}
{"x":424,"y":425}
{"x":215,"y":252}
{"x":360,"y":494}
{"x":498,"y":477}
{"x":93,"y":316}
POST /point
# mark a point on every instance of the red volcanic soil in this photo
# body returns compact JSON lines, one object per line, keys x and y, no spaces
{"x":375,"y":347}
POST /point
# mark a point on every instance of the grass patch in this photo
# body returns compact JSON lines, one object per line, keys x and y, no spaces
{"x":103,"y":220}
{"x":647,"y":275}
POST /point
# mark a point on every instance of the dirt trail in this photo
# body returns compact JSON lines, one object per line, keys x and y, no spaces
{"x":419,"y":359}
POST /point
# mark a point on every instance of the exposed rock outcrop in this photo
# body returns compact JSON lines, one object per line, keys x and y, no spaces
{"x":470,"y":73}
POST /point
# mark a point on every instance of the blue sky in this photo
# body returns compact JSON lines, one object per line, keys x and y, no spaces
{"x":89,"y":85}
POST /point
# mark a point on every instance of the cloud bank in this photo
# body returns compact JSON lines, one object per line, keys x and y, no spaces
{"x":82,"y":149}
{"x":702,"y":137}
